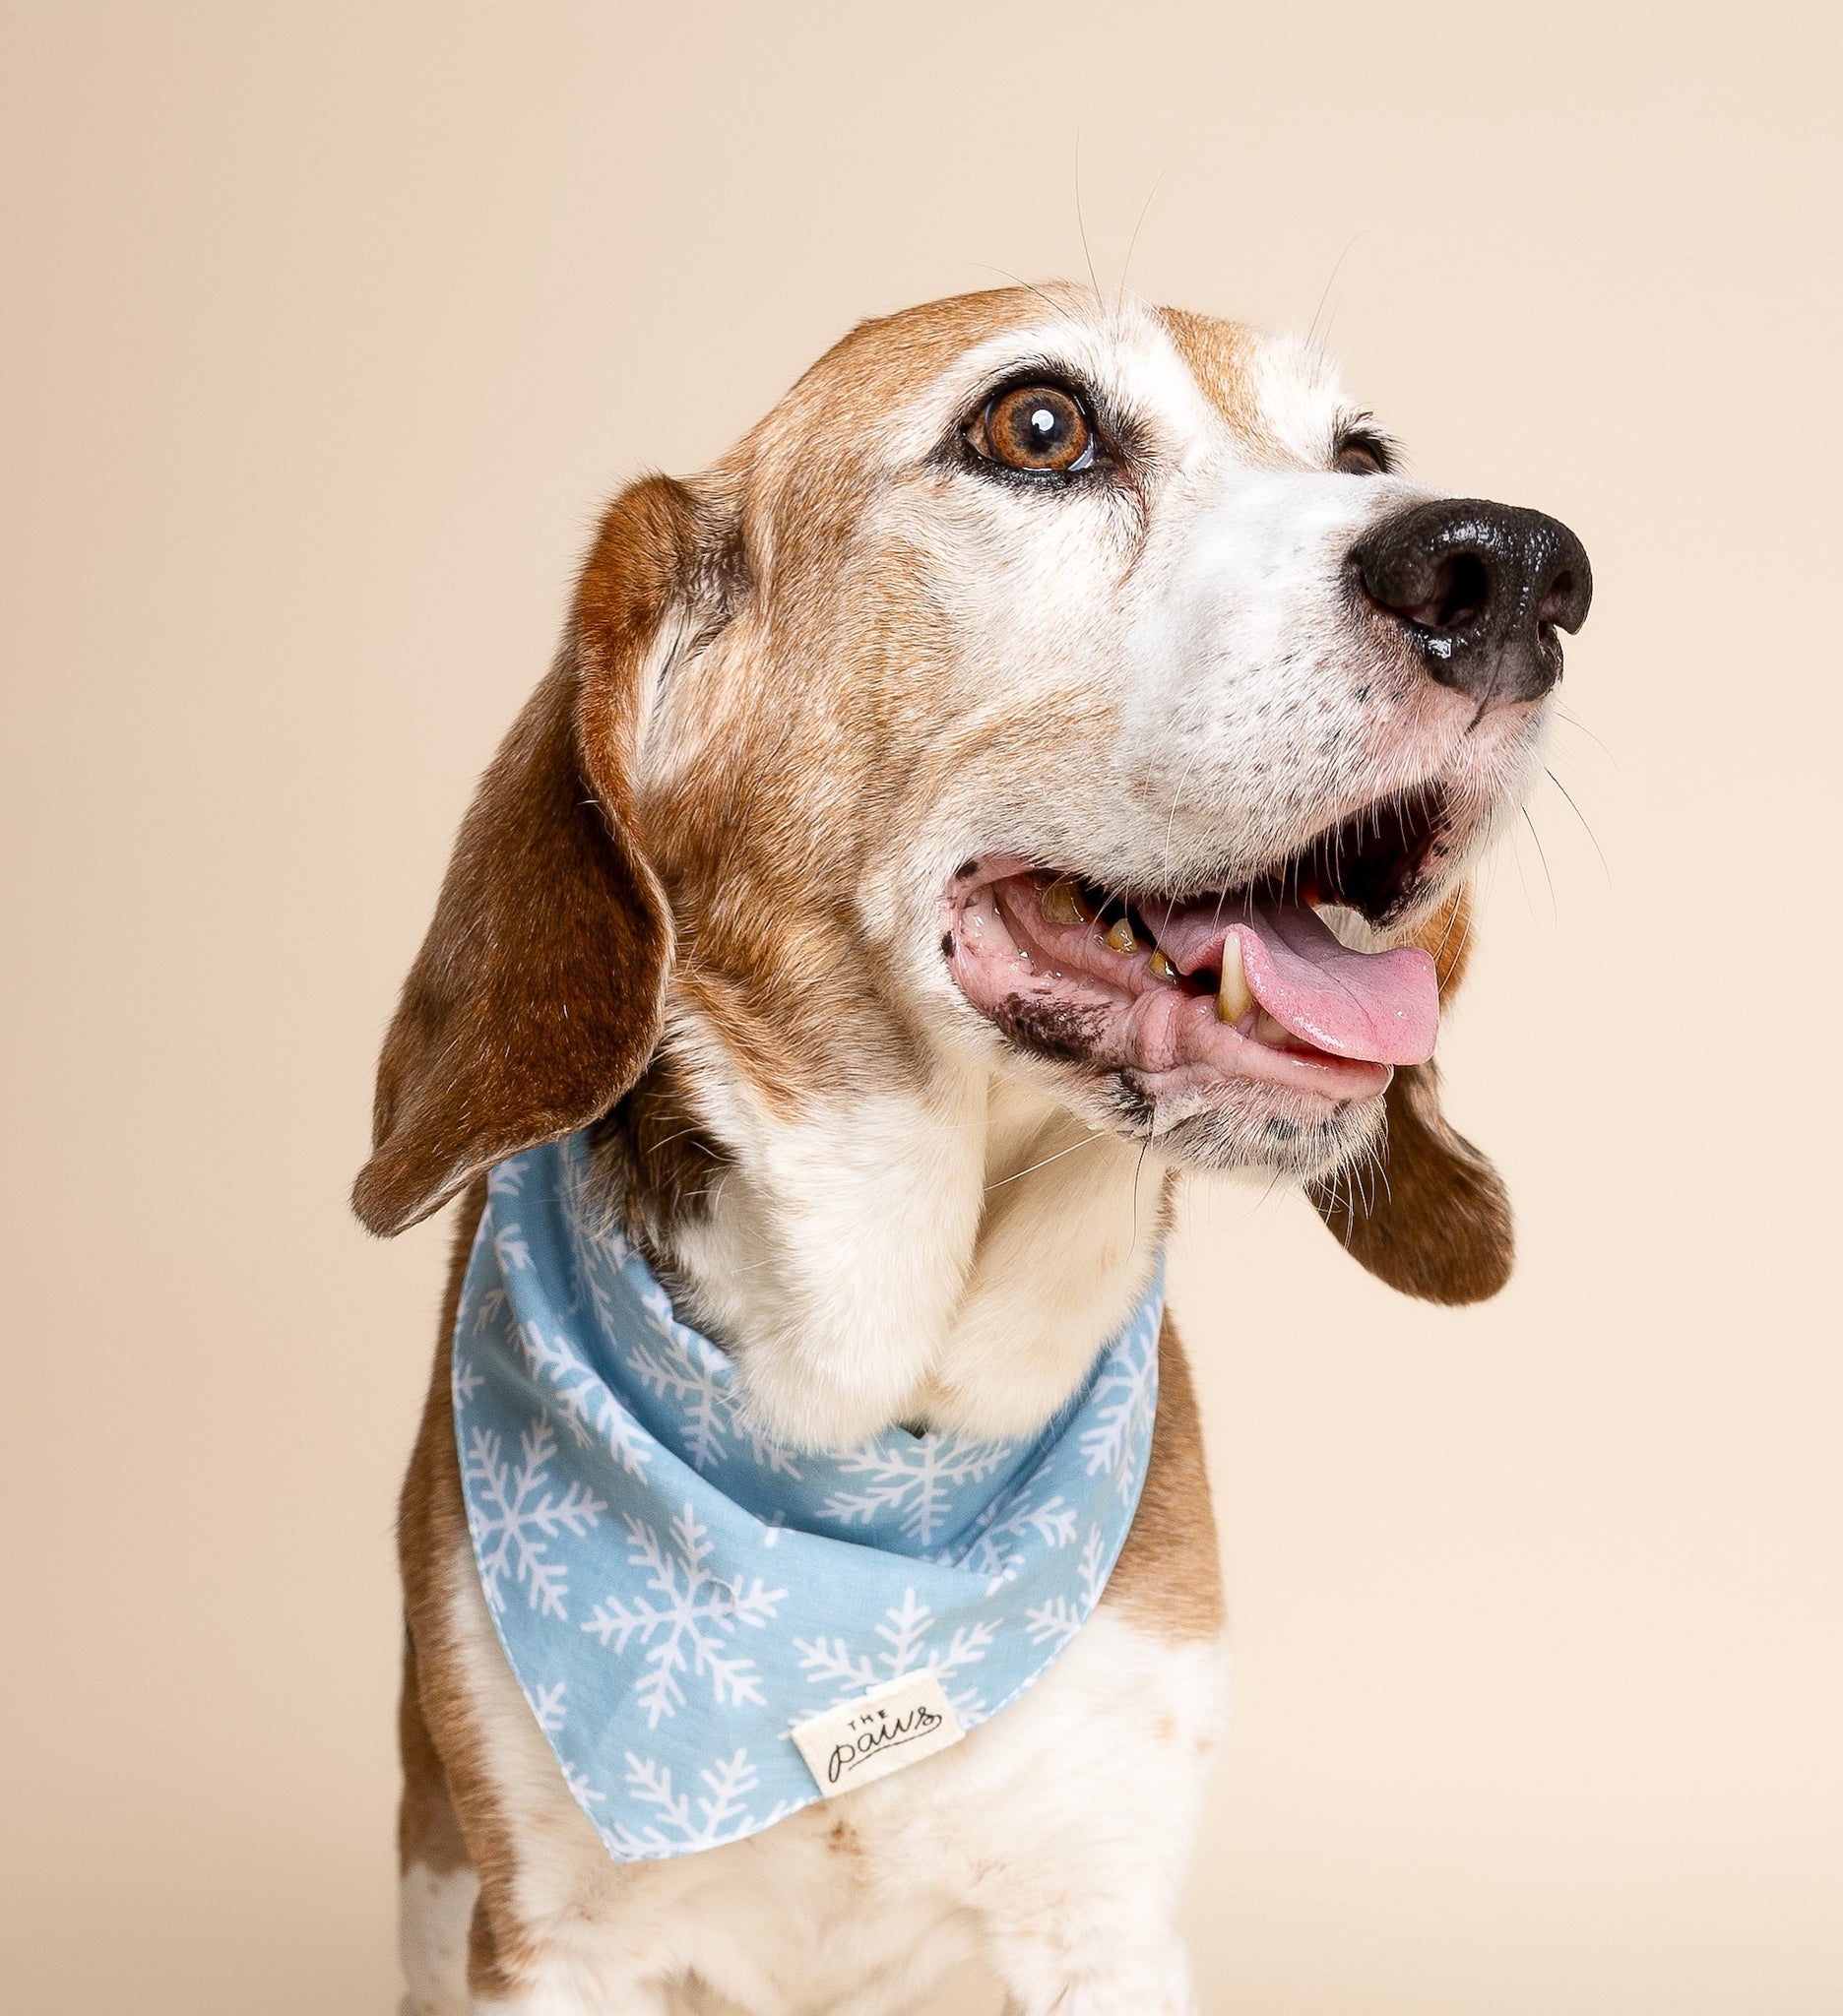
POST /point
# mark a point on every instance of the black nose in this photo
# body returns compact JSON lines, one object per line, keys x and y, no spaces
{"x":1483,"y":588}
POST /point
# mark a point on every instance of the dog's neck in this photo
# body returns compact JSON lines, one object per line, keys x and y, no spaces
{"x":951,"y":1256}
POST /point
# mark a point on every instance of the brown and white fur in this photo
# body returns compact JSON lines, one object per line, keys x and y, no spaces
{"x":698,"y":903}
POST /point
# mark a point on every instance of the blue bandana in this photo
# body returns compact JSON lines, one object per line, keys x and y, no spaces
{"x":683,"y":1599}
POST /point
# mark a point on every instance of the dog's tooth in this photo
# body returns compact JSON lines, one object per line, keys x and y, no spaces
{"x":1121,"y":937}
{"x":1160,"y":967}
{"x":1233,"y":1000}
{"x":1271,"y":1032}
{"x":1062,"y":904}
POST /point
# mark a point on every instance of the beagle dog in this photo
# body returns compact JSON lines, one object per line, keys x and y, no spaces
{"x":1045,"y":755}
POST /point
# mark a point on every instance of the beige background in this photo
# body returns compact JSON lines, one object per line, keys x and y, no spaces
{"x":328,"y":327}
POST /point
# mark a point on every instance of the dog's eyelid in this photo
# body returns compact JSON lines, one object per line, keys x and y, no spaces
{"x":1358,"y":447}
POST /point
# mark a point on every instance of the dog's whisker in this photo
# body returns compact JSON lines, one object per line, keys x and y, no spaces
{"x":1330,"y":282}
{"x":1055,"y":307}
{"x":1017,"y":1175}
{"x":1120,"y":304}
{"x":1542,"y":855}
{"x":1081,"y":224}
{"x":1172,"y":822}
{"x":1582,"y":817}
{"x":1580,"y":727}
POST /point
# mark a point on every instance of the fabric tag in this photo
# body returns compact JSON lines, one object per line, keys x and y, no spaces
{"x":899,"y":1722}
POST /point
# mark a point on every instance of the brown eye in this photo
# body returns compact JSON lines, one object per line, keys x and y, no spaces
{"x":1036,"y":428}
{"x":1361,"y":455}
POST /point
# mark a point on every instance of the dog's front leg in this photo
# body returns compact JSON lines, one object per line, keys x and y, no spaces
{"x":1090,"y":1848}
{"x":565,"y":1990}
{"x":1089,"y":1962}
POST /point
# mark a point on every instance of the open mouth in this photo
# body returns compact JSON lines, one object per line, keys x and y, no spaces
{"x":1191,"y":993}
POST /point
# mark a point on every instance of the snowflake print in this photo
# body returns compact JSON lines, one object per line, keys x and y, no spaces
{"x":905,"y":1633}
{"x":664,"y":1663}
{"x":919,"y":1477}
{"x":511,"y":1507}
{"x":998,"y":1551}
{"x":1122,"y":1400}
{"x":588,"y":1408}
{"x":1093,"y":1579}
{"x":548,"y":1705}
{"x":509,"y":1247}
{"x":723,"y":1816}
{"x":691,"y":1373}
{"x":1056,"y":1621}
{"x":581,"y":1791}
{"x":688,"y":1628}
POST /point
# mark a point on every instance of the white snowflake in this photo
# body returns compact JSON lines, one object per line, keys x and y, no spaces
{"x":997,"y":1552}
{"x":507,"y":1180}
{"x":1092,"y":1578}
{"x":722,"y":1817}
{"x":1058,"y":1619}
{"x":548,"y":1706}
{"x":509,"y":1247}
{"x":512,"y":1507}
{"x":581,"y":1791}
{"x":688,"y":1630}
{"x":487,"y":1307}
{"x":464,"y":1381}
{"x":917,"y":1476}
{"x":691,"y":1373}
{"x":904,"y":1635}
{"x":1122,"y":1400}
{"x":586,"y":1404}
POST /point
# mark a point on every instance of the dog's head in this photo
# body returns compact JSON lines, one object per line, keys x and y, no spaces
{"x":1045,"y":689}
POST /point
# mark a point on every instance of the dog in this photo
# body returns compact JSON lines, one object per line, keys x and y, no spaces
{"x":1048,"y":754}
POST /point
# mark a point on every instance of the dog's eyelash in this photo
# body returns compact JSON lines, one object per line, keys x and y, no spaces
{"x":1362,"y":434}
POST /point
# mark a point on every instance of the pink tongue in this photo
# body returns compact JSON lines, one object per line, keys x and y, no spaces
{"x":1383,"y":1006}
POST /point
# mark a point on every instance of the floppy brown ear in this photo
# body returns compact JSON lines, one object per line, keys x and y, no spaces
{"x":536,"y":1000}
{"x":1435,"y":1221}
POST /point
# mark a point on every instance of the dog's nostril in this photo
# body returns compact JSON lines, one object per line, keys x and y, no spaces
{"x":1559,"y":601}
{"x":1455,"y":598}
{"x":1466,"y":588}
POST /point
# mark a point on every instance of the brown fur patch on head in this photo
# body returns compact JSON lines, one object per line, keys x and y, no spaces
{"x":1434,"y":1221}
{"x":1219,"y":354}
